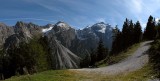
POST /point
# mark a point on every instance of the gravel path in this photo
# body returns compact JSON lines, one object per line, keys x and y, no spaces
{"x":138,"y":59}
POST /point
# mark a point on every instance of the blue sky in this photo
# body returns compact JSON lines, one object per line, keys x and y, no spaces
{"x":78,"y":13}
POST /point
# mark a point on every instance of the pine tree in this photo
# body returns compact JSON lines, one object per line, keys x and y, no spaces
{"x":130,"y":33}
{"x":158,"y":30}
{"x":117,"y":42}
{"x":93,"y":58}
{"x":137,"y":32}
{"x":125,"y":34}
{"x":150,"y":32}
{"x":101,"y":53}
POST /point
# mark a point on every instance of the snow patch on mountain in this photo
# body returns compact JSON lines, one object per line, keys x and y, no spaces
{"x":46,"y":29}
{"x":63,"y":25}
{"x":102,"y":30}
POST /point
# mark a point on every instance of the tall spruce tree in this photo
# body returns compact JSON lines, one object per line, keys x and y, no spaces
{"x":125,"y":33}
{"x":137,"y":32}
{"x":130,"y":34}
{"x":117,"y":42}
{"x":158,"y":30}
{"x":101,"y":52}
{"x":150,"y":32}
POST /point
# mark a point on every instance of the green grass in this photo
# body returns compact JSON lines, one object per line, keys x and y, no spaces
{"x":142,"y":74}
{"x":119,"y":57}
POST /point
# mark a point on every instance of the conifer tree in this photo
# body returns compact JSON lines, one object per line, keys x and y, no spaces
{"x":126,"y":34}
{"x":150,"y":32}
{"x":130,"y":33}
{"x":158,"y":30}
{"x":101,"y":53}
{"x":117,"y":42}
{"x":137,"y":32}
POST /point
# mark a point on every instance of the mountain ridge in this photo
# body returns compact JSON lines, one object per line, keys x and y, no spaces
{"x":74,"y":42}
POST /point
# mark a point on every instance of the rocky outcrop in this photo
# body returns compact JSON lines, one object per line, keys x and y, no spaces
{"x":64,"y":33}
{"x":23,"y":32}
{"x":29,"y":29}
{"x":62,"y":57}
{"x":5,"y":32}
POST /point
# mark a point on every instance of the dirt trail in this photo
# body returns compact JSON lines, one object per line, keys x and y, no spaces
{"x":138,"y":59}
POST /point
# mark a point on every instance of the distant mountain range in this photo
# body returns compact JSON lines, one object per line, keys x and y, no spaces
{"x":67,"y":45}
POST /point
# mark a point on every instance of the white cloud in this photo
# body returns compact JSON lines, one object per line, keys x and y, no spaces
{"x":28,"y":19}
{"x":140,"y":7}
{"x":115,"y":11}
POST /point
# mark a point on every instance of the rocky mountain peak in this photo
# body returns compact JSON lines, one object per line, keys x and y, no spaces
{"x":101,"y":27}
{"x":21,"y":28}
{"x":62,"y":26}
{"x":27,"y":29}
{"x":20,"y":24}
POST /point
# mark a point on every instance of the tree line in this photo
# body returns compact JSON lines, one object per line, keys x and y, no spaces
{"x":152,"y":32}
{"x":131,"y":33}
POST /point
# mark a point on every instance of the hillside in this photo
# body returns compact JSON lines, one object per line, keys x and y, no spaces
{"x":129,"y":71}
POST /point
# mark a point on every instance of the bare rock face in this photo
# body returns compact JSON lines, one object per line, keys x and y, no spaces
{"x":23,"y":33}
{"x":64,"y":33}
{"x":62,"y":58}
{"x":5,"y":32}
{"x":29,"y":29}
{"x":81,"y":42}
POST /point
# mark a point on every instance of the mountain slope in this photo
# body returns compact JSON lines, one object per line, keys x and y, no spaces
{"x":5,"y":32}
{"x":62,"y":57}
{"x":141,"y":74}
{"x":63,"y":40}
{"x":80,"y":42}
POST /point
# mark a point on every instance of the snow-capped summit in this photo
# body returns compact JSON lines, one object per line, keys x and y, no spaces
{"x":101,"y":24}
{"x":94,"y":33}
{"x":101,"y":27}
{"x":62,"y":25}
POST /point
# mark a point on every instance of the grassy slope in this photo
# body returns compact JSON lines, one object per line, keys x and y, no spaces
{"x":67,"y":75}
